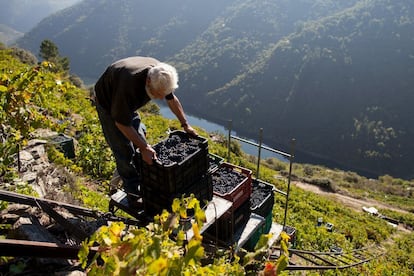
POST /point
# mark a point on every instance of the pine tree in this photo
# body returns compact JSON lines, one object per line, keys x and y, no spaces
{"x":49,"y":51}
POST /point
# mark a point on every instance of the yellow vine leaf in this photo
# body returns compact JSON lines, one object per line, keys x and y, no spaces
{"x":284,"y":236}
{"x":175,"y":205}
{"x":158,"y":267}
{"x":116,"y":228}
{"x":196,"y":232}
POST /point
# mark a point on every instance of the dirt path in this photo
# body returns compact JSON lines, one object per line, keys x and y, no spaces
{"x":353,"y":203}
{"x":348,"y":201}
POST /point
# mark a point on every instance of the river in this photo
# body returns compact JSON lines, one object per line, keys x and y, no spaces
{"x":300,"y":157}
{"x":213,"y":127}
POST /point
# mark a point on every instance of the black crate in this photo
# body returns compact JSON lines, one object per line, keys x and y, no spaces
{"x":155,"y":201}
{"x":291,"y":232}
{"x":265,"y":191}
{"x":64,"y":144}
{"x":175,"y":177}
{"x":227,"y":225}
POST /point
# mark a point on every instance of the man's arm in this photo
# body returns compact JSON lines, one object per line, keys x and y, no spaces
{"x":147,"y":152}
{"x":176,"y":108}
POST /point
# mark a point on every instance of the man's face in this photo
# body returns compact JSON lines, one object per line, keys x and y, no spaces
{"x":156,"y":93}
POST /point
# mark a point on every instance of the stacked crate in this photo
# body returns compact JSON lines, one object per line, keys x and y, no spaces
{"x":161,"y":183}
{"x":227,"y":225}
{"x":263,"y":208}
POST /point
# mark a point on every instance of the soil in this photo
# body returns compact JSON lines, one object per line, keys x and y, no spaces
{"x":348,"y":201}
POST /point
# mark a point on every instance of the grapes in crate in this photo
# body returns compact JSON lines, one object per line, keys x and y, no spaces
{"x":226,"y":179}
{"x":259,"y":193}
{"x":175,"y":149}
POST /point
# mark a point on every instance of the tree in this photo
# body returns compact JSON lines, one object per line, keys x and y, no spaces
{"x":48,"y":50}
{"x":64,"y":63}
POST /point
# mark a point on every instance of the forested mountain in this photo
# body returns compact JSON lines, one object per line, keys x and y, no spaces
{"x":22,"y":15}
{"x":336,"y":75}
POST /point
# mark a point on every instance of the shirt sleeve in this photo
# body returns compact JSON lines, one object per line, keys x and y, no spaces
{"x":170,"y":96}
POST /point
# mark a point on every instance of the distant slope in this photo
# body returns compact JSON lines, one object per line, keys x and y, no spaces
{"x":22,"y":15}
{"x":96,"y":32}
{"x":335,"y":75}
{"x":342,"y":86}
{"x":238,"y":40}
{"x":8,"y":35}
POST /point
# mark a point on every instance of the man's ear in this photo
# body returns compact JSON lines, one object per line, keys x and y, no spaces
{"x":148,"y":81}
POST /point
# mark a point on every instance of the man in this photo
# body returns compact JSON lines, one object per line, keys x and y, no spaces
{"x":124,"y":87}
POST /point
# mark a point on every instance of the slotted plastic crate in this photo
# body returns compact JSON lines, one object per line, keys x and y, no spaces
{"x":242,"y":191}
{"x":264,"y":229}
{"x":266,"y":205}
{"x":155,"y":201}
{"x":175,"y":177}
{"x":64,"y":143}
{"x":227,"y":225}
{"x":268,"y":223}
{"x":252,"y":241}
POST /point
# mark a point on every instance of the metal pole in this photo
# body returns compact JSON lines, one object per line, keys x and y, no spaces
{"x":284,"y":154}
{"x":18,"y":158}
{"x":259,"y":152}
{"x":289,"y":176}
{"x":229,"y":140}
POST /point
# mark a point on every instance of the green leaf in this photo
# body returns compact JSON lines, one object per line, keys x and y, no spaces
{"x":263,"y":240}
{"x":195,"y":251}
{"x":282,"y":263}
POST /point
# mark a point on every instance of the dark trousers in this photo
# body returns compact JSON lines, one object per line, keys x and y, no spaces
{"x":122,"y":149}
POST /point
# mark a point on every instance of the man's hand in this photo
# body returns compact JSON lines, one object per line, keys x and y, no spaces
{"x":190,"y":130}
{"x":176,"y":108}
{"x":148,"y":154}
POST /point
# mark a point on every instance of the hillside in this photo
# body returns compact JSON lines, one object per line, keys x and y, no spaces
{"x":335,"y":75}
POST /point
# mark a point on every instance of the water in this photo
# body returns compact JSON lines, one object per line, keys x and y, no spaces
{"x":213,"y":127}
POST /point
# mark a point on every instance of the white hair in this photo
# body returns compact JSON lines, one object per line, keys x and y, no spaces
{"x":163,"y":76}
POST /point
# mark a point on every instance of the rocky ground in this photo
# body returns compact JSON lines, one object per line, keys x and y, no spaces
{"x":30,"y":223}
